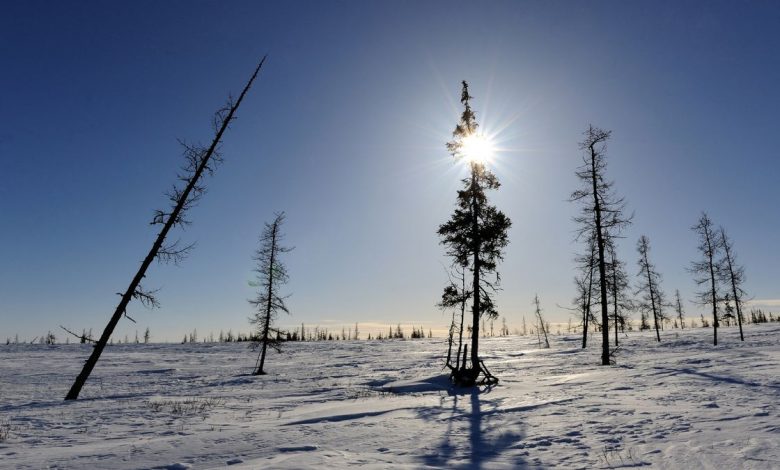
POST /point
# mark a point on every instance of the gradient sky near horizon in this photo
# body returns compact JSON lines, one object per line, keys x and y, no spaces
{"x":345,"y":131}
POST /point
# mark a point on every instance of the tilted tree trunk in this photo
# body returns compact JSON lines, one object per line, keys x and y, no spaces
{"x":75,"y":389}
{"x":652,"y":297}
{"x":267,"y":325}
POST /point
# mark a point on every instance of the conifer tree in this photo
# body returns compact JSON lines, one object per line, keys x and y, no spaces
{"x":618,"y":288}
{"x":733,"y":275}
{"x":678,"y":307}
{"x":271,"y":276}
{"x":706,"y":269}
{"x":652,"y":300}
{"x":475,"y":235}
{"x":602,"y":215}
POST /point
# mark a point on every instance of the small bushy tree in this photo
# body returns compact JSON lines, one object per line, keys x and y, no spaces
{"x":271,"y":276}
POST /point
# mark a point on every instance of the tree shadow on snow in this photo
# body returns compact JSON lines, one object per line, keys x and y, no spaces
{"x":718,"y":378}
{"x":488,"y":438}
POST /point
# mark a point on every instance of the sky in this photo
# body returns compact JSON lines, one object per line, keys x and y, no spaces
{"x":345,"y":131}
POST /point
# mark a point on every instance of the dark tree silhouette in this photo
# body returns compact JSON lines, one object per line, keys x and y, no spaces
{"x":271,"y":275}
{"x":455,"y":298}
{"x":678,"y":307}
{"x":585,"y":283}
{"x":732,"y":275}
{"x":475,"y":237}
{"x":652,"y":300}
{"x":618,"y":287}
{"x":199,"y":161}
{"x":602,"y":214}
{"x":705,"y":270}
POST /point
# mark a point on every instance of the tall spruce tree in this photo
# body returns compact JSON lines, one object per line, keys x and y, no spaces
{"x":602,"y":214}
{"x":271,"y":276}
{"x":475,"y":235}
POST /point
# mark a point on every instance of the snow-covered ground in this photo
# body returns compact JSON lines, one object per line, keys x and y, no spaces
{"x":682,"y":403}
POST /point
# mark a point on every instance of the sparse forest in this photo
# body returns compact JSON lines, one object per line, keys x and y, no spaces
{"x":602,"y":219}
{"x":656,"y":355}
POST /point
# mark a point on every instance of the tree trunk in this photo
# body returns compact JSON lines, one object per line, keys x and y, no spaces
{"x":615,"y":294}
{"x":267,"y":325}
{"x":477,"y":266}
{"x":737,"y":300}
{"x":586,"y":310}
{"x":602,"y":265}
{"x":462,"y":316}
{"x":714,"y":290}
{"x":75,"y":389}
{"x":652,"y":296}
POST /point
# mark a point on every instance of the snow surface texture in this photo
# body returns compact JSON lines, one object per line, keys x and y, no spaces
{"x":682,"y":403}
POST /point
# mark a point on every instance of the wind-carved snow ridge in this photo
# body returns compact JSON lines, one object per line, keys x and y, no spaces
{"x":681,"y":403}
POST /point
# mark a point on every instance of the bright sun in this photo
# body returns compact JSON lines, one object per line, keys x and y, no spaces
{"x":477,"y":148}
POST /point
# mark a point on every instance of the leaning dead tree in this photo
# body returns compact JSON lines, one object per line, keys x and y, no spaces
{"x":271,"y":275}
{"x":199,"y":161}
{"x":705,"y":270}
{"x":601,"y":214}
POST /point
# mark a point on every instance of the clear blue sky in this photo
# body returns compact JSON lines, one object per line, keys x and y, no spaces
{"x":345,"y":131}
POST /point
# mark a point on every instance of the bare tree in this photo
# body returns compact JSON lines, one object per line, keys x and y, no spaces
{"x":271,"y":275}
{"x":585,"y":285}
{"x":618,"y":287}
{"x":678,"y":307}
{"x":455,"y":297}
{"x":705,"y":270}
{"x":602,"y":214}
{"x":540,"y":326}
{"x":475,"y":235}
{"x":652,"y":300}
{"x":199,"y":161}
{"x":733,"y":275}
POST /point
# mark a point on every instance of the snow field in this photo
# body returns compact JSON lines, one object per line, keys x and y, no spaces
{"x":681,"y":403}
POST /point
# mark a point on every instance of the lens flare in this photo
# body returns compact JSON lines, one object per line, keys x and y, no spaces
{"x":477,"y":148}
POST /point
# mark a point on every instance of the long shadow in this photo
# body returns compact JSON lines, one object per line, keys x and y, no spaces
{"x":483,"y":443}
{"x":718,"y":378}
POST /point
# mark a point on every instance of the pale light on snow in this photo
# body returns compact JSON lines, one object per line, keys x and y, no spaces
{"x":681,"y":403}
